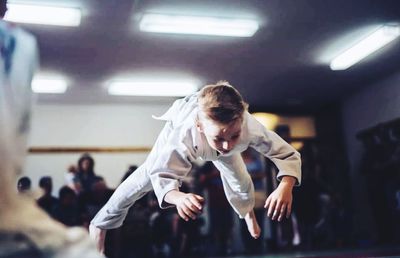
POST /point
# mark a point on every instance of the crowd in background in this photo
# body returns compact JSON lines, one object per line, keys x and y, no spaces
{"x":380,"y":166}
{"x":317,"y":221}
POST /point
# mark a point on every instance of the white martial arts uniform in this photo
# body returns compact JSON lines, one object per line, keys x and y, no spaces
{"x":179,"y":144}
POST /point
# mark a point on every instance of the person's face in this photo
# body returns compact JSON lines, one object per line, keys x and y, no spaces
{"x":48,"y":188}
{"x":85,"y":165}
{"x":99,"y":186}
{"x":21,"y":187}
{"x":221,"y":137}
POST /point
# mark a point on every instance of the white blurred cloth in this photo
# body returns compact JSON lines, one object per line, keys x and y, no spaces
{"x":24,"y":228}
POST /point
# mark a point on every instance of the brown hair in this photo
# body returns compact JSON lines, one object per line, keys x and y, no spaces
{"x":221,"y":102}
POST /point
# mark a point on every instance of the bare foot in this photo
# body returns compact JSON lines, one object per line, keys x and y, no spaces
{"x":98,"y":235}
{"x":252,"y":225}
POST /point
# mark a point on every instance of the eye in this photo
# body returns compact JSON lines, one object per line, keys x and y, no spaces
{"x":235,"y":136}
{"x":219,"y":139}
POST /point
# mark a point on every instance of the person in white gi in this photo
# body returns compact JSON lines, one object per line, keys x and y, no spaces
{"x":25,"y":230}
{"x":212,"y":125}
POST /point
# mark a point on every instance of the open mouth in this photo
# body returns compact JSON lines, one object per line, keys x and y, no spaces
{"x":223,"y":151}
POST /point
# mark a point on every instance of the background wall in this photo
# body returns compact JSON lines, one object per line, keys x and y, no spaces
{"x":91,"y":126}
{"x":378,"y":102}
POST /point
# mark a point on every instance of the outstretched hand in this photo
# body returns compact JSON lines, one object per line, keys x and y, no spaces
{"x":188,"y":205}
{"x":279,"y":202}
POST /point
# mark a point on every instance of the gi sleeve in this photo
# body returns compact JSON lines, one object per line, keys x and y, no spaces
{"x":171,"y":165}
{"x":272,"y":146}
{"x":237,"y":183}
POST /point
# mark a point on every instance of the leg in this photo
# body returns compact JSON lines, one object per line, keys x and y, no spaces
{"x":252,"y":225}
{"x":133,"y":188}
{"x":114,"y":212}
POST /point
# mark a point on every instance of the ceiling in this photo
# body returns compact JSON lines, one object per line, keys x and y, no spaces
{"x":284,"y":67}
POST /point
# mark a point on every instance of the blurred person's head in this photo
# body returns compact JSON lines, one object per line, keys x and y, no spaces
{"x":131,"y":169}
{"x":86,"y":164}
{"x":67,"y":196}
{"x":46,"y":183}
{"x":72,"y":169}
{"x":3,"y":8}
{"x":24,"y":184}
{"x":284,"y":132}
{"x":99,"y":184}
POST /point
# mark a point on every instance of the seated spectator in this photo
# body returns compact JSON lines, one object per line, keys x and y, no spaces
{"x":135,"y":239}
{"x":131,"y":169}
{"x":219,"y":210}
{"x":24,"y":185}
{"x":85,"y":174}
{"x":96,"y":198}
{"x":67,"y":211}
{"x":161,"y":228}
{"x":47,"y":202}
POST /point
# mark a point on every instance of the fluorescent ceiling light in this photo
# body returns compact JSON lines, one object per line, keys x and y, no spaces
{"x":365,"y":47}
{"x":38,"y":14}
{"x":198,"y":25}
{"x":49,"y":85}
{"x":145,"y":88}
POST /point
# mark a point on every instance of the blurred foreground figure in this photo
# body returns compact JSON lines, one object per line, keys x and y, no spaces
{"x":25,"y":230}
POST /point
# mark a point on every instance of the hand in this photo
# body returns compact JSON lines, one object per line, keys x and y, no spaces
{"x":188,"y":205}
{"x":98,"y":235}
{"x":279,"y":202}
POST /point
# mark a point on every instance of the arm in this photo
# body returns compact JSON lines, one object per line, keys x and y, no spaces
{"x":169,"y":161}
{"x":167,"y":173}
{"x":272,"y":146}
{"x":173,"y":163}
{"x":288,"y":162}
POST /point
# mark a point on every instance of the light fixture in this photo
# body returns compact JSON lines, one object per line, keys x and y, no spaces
{"x":53,"y":85}
{"x":365,"y":47}
{"x":148,"y":88}
{"x":40,"y":14}
{"x":201,"y":25}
